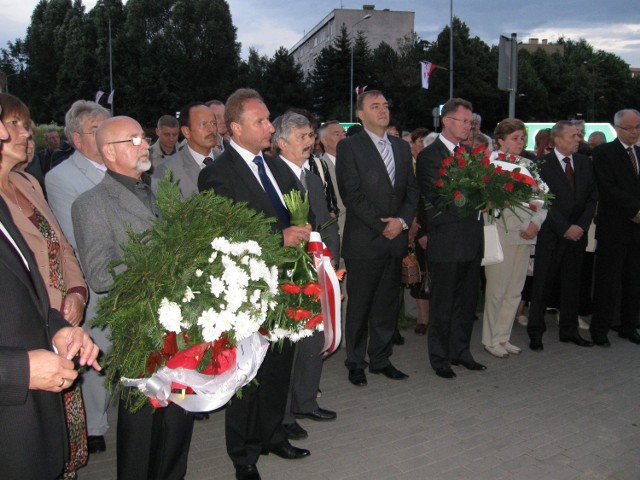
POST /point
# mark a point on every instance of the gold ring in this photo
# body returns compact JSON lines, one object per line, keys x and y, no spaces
{"x":62,"y":384}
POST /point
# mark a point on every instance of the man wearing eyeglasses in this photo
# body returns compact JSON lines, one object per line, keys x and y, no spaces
{"x":200,"y":128}
{"x":102,"y":218}
{"x":454,"y":251}
{"x":617,"y":273}
{"x":83,"y":170}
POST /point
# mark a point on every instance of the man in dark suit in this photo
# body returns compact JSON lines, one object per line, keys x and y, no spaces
{"x":34,"y":443}
{"x":253,"y":423}
{"x":617,"y":277}
{"x":454,"y":251}
{"x":152,"y":443}
{"x":199,"y":126}
{"x":293,"y":139}
{"x":562,"y":237}
{"x":380,"y":194}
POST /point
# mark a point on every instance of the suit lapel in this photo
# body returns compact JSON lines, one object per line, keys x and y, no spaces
{"x":31,"y":279}
{"x":370,"y":151}
{"x":85,"y":167}
{"x":252,"y":185}
{"x":126,"y":200}
{"x":191,"y":167}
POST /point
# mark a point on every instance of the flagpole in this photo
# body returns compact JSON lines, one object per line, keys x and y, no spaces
{"x":451,"y":52}
{"x":110,"y":67}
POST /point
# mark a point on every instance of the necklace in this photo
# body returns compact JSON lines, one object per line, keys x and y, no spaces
{"x":15,"y":196}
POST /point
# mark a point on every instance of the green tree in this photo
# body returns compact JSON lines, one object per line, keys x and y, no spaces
{"x":284,"y":84}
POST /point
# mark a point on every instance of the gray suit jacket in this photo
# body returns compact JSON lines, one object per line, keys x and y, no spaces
{"x":183,"y":168}
{"x":65,"y":183}
{"x":100,"y":220}
{"x":343,"y":213}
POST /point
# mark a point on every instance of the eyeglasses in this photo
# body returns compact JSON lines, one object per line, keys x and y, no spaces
{"x":464,"y":122}
{"x":629,"y":129}
{"x":205,"y":125}
{"x":136,"y":141}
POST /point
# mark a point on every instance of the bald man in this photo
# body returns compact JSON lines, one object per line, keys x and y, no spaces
{"x":151,"y":444}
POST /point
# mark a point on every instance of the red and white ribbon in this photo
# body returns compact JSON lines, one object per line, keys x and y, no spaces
{"x":330,"y":295}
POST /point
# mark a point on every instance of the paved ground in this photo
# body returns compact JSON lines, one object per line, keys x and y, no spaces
{"x":565,"y":413}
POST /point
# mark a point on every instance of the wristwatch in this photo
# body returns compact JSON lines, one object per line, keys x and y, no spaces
{"x":403,"y":223}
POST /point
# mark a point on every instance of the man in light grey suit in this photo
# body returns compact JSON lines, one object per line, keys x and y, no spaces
{"x":64,"y":183}
{"x":150,"y":444}
{"x":199,"y":127}
{"x":293,"y":139}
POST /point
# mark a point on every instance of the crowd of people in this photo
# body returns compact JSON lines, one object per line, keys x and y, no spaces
{"x":66,"y":211}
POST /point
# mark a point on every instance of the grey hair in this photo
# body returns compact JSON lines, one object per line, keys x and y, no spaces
{"x":322,"y":131}
{"x":598,"y":134}
{"x":78,"y":112}
{"x":557,"y":129}
{"x":283,"y":125}
{"x":617,"y":118}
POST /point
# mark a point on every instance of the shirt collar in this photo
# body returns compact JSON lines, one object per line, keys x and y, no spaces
{"x":450,"y":146}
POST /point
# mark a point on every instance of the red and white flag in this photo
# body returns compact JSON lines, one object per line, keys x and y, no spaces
{"x":99,"y":95}
{"x":360,"y":90}
{"x":110,"y":99}
{"x":427,"y":68}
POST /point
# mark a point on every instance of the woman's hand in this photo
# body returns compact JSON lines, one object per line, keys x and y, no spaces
{"x":73,"y":308}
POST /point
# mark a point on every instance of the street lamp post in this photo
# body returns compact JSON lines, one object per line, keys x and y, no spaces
{"x":366,"y":17}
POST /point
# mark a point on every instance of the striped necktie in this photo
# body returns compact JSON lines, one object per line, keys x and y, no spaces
{"x":387,"y":157}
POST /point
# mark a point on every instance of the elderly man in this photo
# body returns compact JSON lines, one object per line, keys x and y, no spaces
{"x":617,"y":275}
{"x":52,"y":141}
{"x":200,"y":128}
{"x":243,"y":173}
{"x":454,"y":251}
{"x":596,"y":139}
{"x":151,"y":444}
{"x":562,"y":237}
{"x":330,"y":133}
{"x":32,"y":374}
{"x":64,"y":183}
{"x":167,"y":131}
{"x":376,"y":182}
{"x":217,"y":107}
{"x":293,"y":139}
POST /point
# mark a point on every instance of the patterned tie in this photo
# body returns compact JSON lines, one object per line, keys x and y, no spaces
{"x":303,"y":178}
{"x":281,"y":212}
{"x":387,"y":157}
{"x":632,"y":157}
{"x":568,"y":170}
{"x":207,"y":161}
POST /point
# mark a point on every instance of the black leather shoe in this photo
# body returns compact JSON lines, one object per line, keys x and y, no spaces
{"x":287,"y":451}
{"x":536,"y":345}
{"x":357,"y":377}
{"x":319,"y":415}
{"x":472,"y":365}
{"x":445,"y":372}
{"x":96,"y":444}
{"x":294,"y":431}
{"x":247,"y":472}
{"x":390,"y":372}
{"x":397,"y":339}
{"x":633,"y":337}
{"x":577,"y":339}
{"x":601,"y":341}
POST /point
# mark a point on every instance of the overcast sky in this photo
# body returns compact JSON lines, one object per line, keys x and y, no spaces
{"x":610,"y":25}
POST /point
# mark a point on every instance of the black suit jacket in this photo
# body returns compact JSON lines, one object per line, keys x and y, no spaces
{"x":34,"y":441}
{"x":618,"y":193}
{"x":452,"y":238}
{"x":368,"y":196}
{"x":569,"y":207}
{"x":231,"y":177}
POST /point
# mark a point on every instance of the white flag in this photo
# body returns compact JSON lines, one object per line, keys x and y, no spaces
{"x":99,"y":95}
{"x":427,"y":69}
{"x":110,"y":99}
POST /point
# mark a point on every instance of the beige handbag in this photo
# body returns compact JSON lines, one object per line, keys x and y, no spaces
{"x":410,"y":269}
{"x":492,"y":248}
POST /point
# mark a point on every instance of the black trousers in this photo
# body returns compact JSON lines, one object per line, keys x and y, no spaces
{"x":561,"y":258}
{"x":452,"y":304}
{"x":153,"y":444}
{"x":616,"y":293}
{"x":372,"y":311}
{"x":254,"y":421}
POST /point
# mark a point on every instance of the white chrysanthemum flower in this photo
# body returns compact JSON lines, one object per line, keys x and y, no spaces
{"x":245,"y":260}
{"x":170,"y":315}
{"x":217,"y":286}
{"x":189,"y":295}
{"x":199,"y":273}
{"x":235,"y":297}
{"x":253,"y":248}
{"x":234,"y":276}
{"x":244,"y":326}
{"x":221,"y":244}
{"x":254,"y":299}
{"x":259,"y":270}
{"x":213,"y":257}
{"x":209,"y":321}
